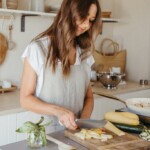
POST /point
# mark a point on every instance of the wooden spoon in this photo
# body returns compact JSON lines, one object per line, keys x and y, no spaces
{"x":3,"y":48}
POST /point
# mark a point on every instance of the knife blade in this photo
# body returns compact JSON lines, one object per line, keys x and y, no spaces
{"x":90,"y":123}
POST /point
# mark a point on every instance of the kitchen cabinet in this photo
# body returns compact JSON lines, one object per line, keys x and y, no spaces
{"x":7,"y":129}
{"x":103,"y":105}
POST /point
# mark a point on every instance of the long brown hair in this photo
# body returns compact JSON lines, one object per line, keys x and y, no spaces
{"x":62,"y":32}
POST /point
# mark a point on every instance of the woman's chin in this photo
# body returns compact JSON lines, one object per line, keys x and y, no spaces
{"x":79,"y":33}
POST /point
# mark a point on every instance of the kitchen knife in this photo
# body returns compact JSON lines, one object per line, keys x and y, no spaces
{"x":90,"y":123}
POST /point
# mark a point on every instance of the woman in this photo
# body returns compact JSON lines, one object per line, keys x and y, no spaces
{"x":56,"y":75}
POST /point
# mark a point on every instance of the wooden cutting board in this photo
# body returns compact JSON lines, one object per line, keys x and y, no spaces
{"x":125,"y":142}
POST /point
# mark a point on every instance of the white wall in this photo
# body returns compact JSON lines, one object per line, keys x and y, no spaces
{"x":11,"y":69}
{"x":107,"y":28}
{"x":133,"y":33}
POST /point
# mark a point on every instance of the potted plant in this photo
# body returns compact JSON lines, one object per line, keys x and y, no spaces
{"x":36,"y":133}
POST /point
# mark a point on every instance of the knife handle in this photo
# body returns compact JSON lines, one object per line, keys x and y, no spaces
{"x":62,"y":123}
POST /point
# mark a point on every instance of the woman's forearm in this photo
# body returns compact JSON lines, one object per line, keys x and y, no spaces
{"x":34,"y":104}
{"x":88,"y":108}
{"x":88,"y":104}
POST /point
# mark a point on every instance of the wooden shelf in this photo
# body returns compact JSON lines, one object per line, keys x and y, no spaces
{"x":12,"y":11}
{"x":109,"y":20}
{"x":50,"y":14}
{"x":24,"y":14}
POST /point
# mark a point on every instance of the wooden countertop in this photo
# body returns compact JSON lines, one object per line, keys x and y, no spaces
{"x":124,"y":88}
{"x":9,"y":101}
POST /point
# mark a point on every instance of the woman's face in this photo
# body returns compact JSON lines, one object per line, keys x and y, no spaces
{"x":84,"y":25}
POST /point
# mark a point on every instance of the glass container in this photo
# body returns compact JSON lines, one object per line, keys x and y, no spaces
{"x":35,"y":139}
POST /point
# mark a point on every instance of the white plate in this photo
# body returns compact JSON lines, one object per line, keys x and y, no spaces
{"x":139,"y":105}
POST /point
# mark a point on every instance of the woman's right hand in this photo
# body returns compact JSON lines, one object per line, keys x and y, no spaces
{"x":67,"y":118}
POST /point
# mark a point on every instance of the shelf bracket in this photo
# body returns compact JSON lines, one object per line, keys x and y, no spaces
{"x":23,"y":20}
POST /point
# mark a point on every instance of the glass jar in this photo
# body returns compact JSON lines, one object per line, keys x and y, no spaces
{"x":12,"y":4}
{"x":35,"y":139}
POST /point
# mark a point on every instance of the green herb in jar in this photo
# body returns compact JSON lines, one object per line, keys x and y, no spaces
{"x":36,"y":133}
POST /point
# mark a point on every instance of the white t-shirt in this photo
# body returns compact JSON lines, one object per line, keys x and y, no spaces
{"x":37,"y":60}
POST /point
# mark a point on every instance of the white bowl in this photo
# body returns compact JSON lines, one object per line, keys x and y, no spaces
{"x":6,"y":84}
{"x":140,"y":106}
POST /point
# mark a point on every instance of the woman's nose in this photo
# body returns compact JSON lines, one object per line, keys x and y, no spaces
{"x":86,"y":24}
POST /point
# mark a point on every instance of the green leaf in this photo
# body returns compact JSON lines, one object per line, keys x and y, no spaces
{"x":27,"y":127}
{"x":37,"y":128}
{"x":40,"y":121}
{"x":46,"y":124}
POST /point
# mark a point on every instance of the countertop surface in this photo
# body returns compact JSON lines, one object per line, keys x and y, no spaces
{"x":122,"y":88}
{"x":22,"y":145}
{"x":9,"y":101}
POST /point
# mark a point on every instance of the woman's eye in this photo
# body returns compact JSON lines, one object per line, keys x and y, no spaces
{"x":92,"y":20}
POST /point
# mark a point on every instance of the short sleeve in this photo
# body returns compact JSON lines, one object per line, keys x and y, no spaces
{"x":34,"y":56}
{"x":90,"y":60}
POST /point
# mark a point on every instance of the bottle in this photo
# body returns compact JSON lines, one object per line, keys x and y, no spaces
{"x":12,"y":4}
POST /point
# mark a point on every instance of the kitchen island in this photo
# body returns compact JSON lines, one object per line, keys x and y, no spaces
{"x":12,"y":115}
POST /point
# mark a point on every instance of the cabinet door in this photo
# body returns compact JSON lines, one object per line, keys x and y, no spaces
{"x":21,"y":118}
{"x":103,"y":105}
{"x":7,"y":129}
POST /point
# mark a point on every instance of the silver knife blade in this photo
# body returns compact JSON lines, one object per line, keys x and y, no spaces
{"x":90,"y":123}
